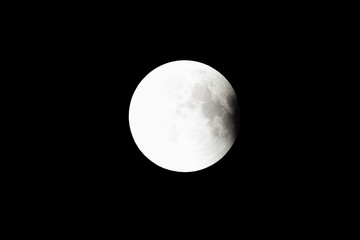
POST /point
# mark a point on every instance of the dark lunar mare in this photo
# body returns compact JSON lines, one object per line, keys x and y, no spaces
{"x":212,"y":108}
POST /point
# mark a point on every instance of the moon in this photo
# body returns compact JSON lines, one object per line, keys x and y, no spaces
{"x":184,"y":116}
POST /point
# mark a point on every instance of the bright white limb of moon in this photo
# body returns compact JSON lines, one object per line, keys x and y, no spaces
{"x":184,"y":116}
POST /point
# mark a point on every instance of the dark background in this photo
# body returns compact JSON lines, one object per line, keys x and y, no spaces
{"x":105,"y":68}
{"x":103,"y":65}
{"x":96,"y":61}
{"x":88,"y":60}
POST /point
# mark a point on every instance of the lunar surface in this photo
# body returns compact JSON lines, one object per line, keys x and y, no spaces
{"x":184,"y":116}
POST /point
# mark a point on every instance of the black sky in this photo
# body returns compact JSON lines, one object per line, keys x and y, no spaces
{"x":95,"y":59}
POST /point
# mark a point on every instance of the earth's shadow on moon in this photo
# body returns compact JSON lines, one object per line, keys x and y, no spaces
{"x":235,"y":117}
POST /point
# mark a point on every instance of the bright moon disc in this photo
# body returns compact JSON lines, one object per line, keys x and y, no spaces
{"x":184,"y":116}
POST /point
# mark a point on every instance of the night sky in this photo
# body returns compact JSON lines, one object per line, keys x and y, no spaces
{"x":93,"y":62}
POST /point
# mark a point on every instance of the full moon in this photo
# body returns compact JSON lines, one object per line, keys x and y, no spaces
{"x":184,"y":116}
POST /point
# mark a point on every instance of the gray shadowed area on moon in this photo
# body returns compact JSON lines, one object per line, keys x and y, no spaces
{"x":233,"y":118}
{"x":212,"y":108}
